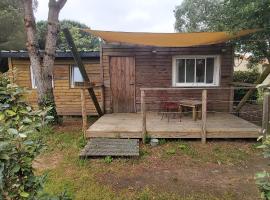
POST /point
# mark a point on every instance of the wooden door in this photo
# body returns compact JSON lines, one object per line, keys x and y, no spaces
{"x":122,"y":72}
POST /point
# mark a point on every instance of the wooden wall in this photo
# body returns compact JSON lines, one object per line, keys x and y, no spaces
{"x":154,"y":69}
{"x":67,"y":99}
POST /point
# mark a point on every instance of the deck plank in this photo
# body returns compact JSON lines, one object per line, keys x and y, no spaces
{"x":129,"y":125}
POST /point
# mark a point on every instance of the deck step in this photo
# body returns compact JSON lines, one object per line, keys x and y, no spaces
{"x":110,"y":147}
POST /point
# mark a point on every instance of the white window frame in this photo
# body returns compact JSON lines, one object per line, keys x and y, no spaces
{"x":72,"y":83}
{"x":33,"y":81}
{"x":216,"y":75}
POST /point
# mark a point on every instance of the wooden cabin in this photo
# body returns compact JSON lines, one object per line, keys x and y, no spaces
{"x":66,"y":77}
{"x":127,"y":69}
{"x":140,"y":71}
{"x":137,"y":72}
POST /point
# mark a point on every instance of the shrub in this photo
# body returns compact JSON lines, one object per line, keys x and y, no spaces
{"x":263,"y":178}
{"x":108,"y":159}
{"x":20,"y":143}
{"x":245,"y":77}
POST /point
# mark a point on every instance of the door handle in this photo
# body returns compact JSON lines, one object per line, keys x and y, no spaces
{"x":131,"y":84}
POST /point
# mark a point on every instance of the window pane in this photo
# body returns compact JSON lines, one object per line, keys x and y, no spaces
{"x":209,"y":70}
{"x":200,"y":70}
{"x":180,"y":63}
{"x":190,"y":67}
{"x":77,"y":77}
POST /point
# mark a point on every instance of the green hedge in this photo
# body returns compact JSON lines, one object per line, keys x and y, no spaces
{"x":245,"y":77}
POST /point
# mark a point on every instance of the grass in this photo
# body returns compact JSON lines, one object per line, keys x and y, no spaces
{"x":78,"y":176}
{"x":213,"y":152}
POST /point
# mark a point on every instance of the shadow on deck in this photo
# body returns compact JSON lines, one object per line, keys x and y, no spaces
{"x":129,"y":125}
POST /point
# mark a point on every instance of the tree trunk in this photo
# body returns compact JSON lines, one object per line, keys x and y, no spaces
{"x":43,"y":69}
{"x":50,"y":45}
{"x":32,"y":47}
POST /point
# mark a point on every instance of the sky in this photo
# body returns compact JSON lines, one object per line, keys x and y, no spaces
{"x":118,"y":15}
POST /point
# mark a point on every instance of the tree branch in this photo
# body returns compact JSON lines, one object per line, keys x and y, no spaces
{"x":61,"y":3}
{"x":58,"y":5}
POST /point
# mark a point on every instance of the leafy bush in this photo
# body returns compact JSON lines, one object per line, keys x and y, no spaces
{"x":263,"y":178}
{"x":245,"y":77}
{"x":108,"y":159}
{"x":20,"y":143}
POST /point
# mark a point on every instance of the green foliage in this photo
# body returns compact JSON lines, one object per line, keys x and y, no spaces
{"x":171,"y":151}
{"x":20,"y":143}
{"x":263,"y":182}
{"x":188,"y":150}
{"x":195,"y":15}
{"x":232,"y":16}
{"x":62,"y":196}
{"x":263,"y":178}
{"x":82,"y":40}
{"x":11,"y":25}
{"x":245,"y":77}
{"x":48,"y":102}
{"x":147,"y":138}
{"x":162,"y":141}
{"x":108,"y":159}
{"x":82,"y":142}
{"x":143,"y":152}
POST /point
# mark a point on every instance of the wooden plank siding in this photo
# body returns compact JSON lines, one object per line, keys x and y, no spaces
{"x":154,"y":69}
{"x":67,"y":99}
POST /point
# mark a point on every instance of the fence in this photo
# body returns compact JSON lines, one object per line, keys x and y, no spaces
{"x":213,"y":101}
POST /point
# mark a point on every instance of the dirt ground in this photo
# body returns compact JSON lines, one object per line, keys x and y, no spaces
{"x":182,"y":175}
{"x":223,"y":169}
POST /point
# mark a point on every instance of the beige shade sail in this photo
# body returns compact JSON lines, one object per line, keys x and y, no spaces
{"x":168,"y":39}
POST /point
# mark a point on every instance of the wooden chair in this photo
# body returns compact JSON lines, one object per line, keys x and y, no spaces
{"x":167,"y":107}
{"x":170,"y":109}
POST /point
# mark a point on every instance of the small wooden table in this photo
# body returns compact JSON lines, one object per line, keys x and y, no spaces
{"x":196,"y":106}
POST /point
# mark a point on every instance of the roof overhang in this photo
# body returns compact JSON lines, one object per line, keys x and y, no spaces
{"x":58,"y":54}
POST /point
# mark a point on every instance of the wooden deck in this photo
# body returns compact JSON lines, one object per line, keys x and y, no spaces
{"x":129,"y":125}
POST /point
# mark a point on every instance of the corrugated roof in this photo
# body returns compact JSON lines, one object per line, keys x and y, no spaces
{"x":59,"y":54}
{"x":168,"y":39}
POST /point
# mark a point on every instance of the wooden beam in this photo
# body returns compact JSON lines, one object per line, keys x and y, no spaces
{"x":81,"y":67}
{"x":102,"y":77}
{"x":265,"y":119}
{"x":84,"y":115}
{"x":143,"y":111}
{"x":190,"y":88}
{"x":244,"y":84}
{"x":204,"y":115}
{"x":261,"y":78}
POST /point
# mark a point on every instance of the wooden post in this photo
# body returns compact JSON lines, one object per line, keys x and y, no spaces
{"x":265,"y":119}
{"x":81,"y":67}
{"x":102,"y":98}
{"x":231,"y":99}
{"x":204,"y":115}
{"x":143,"y":112}
{"x":84,"y":115}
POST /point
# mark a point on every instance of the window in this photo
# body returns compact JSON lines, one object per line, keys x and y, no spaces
{"x":33,"y":80}
{"x":75,"y":76}
{"x":195,"y":71}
